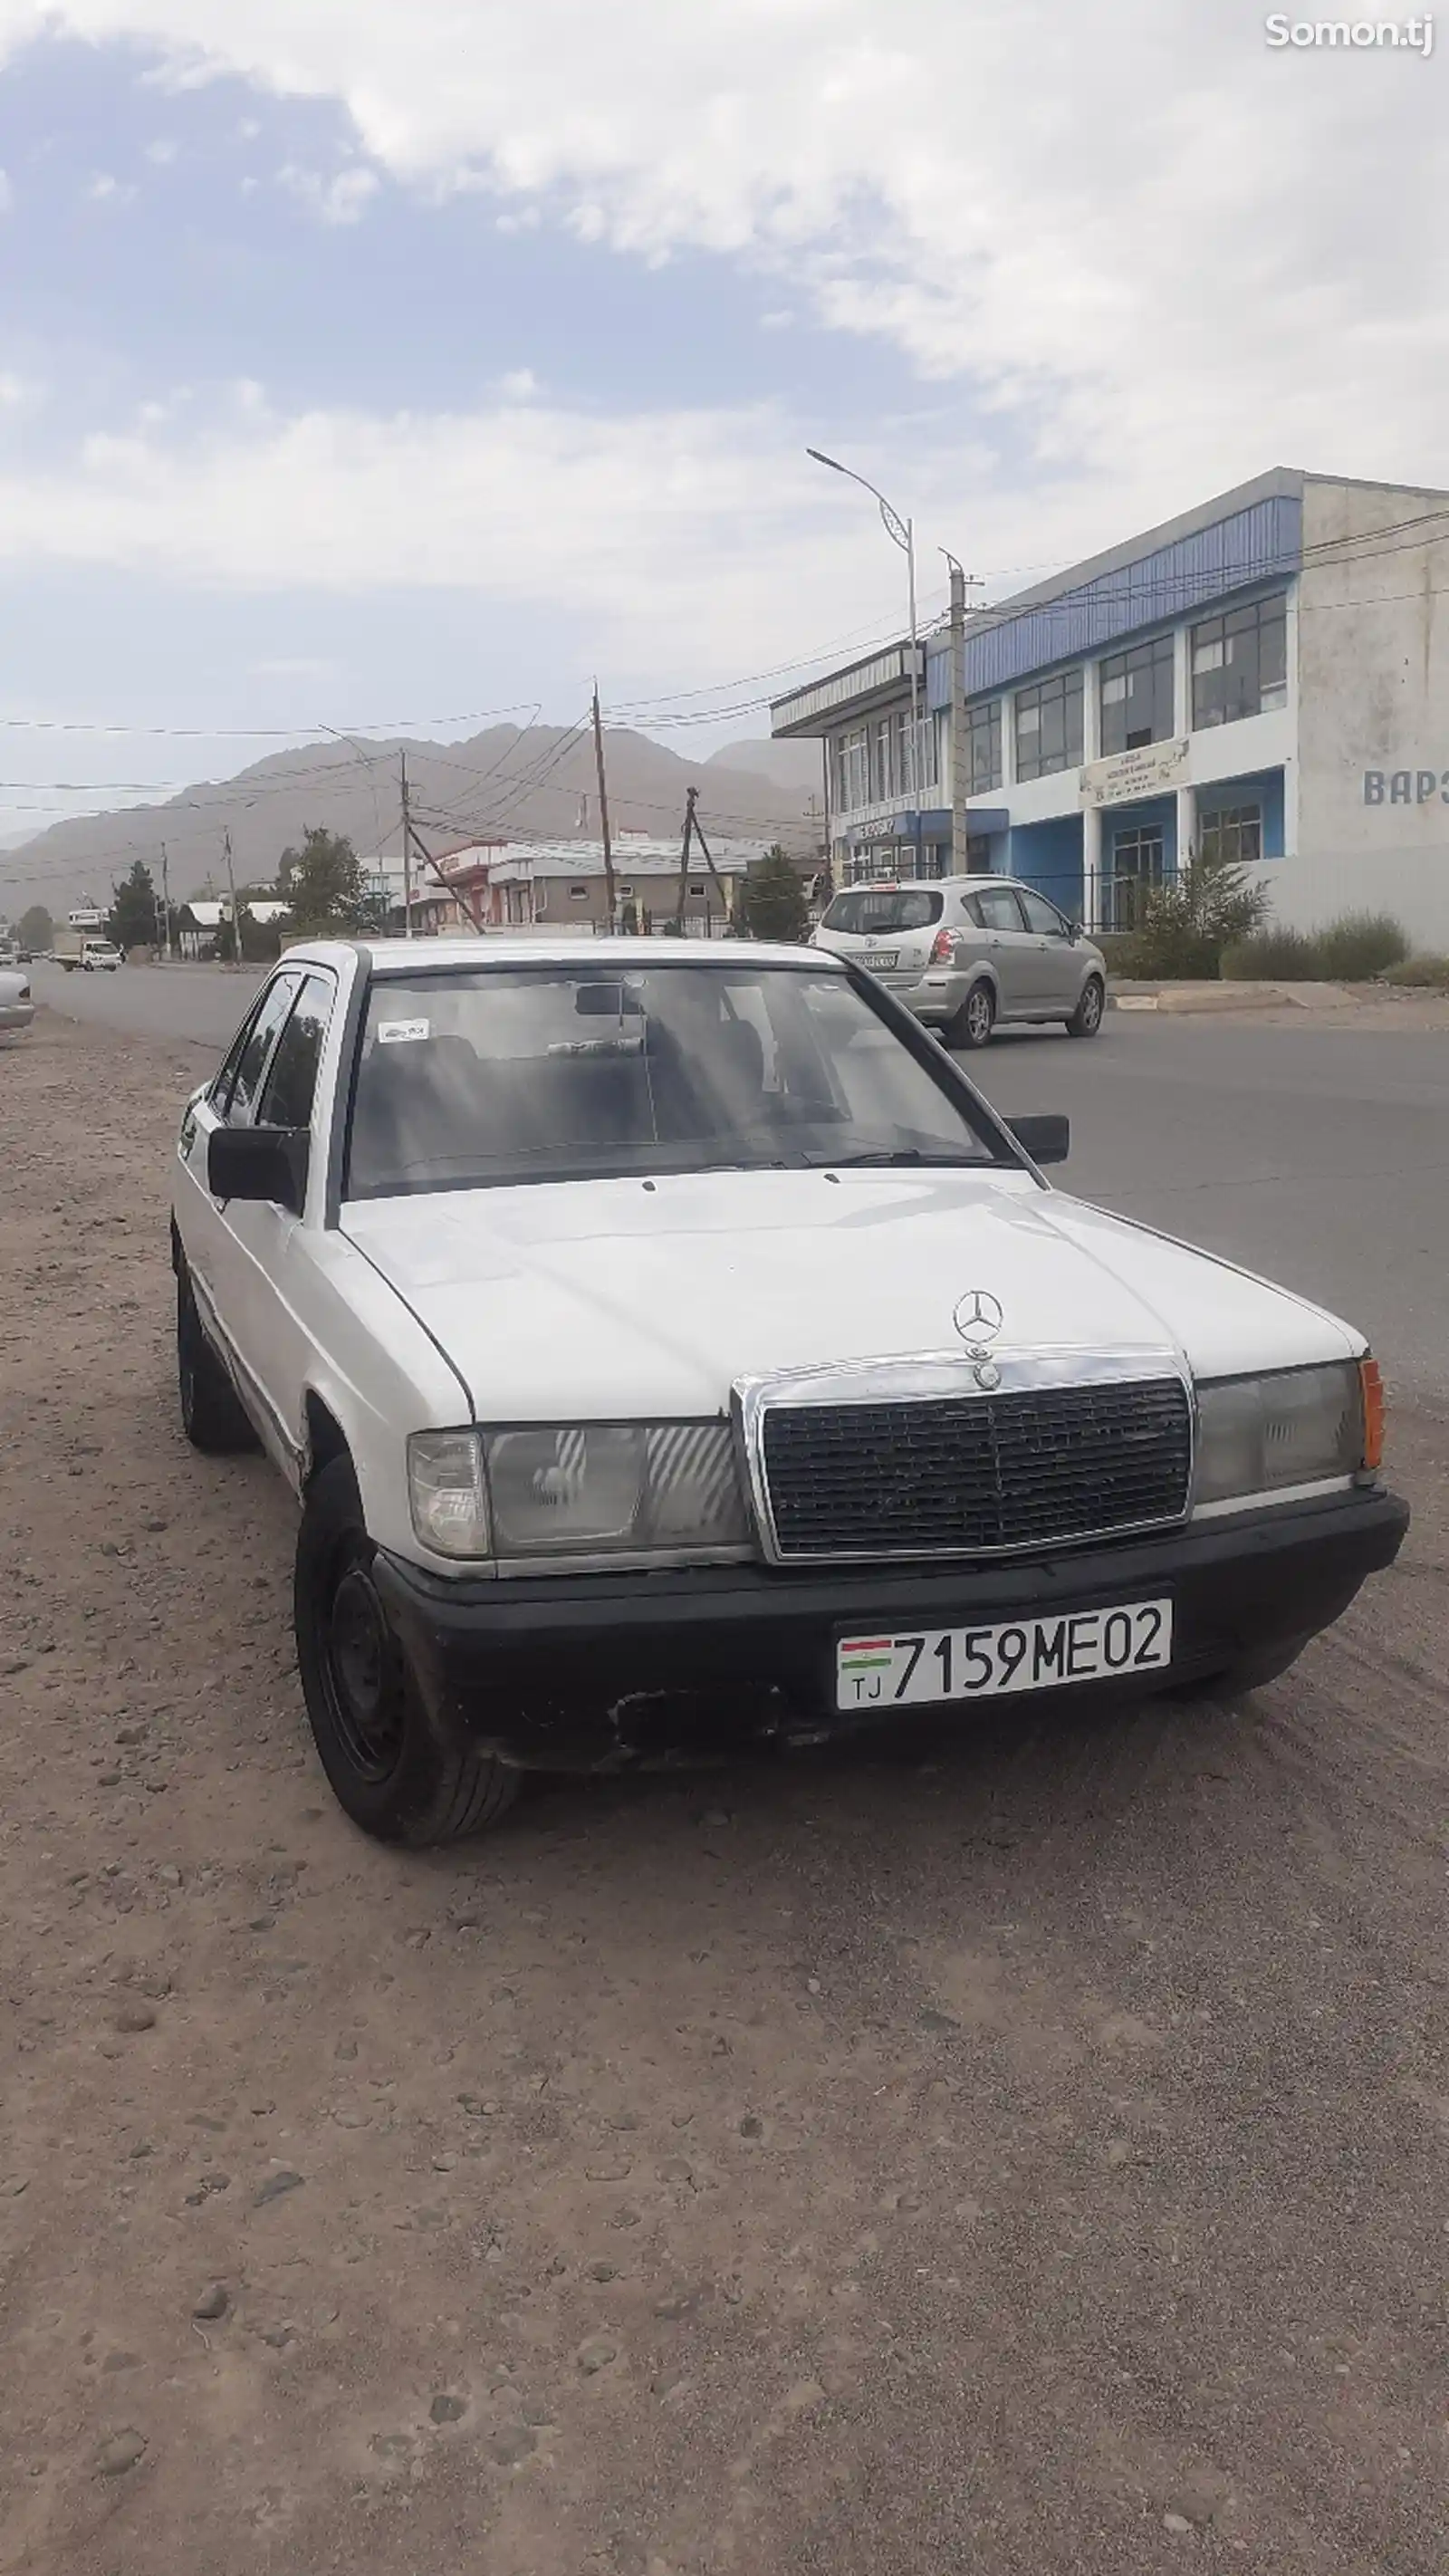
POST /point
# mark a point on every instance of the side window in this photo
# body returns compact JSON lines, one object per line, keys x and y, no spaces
{"x":1041,"y":916}
{"x":220,"y":1091}
{"x":998,"y":908}
{"x":235,"y":1104}
{"x":291,"y":1083}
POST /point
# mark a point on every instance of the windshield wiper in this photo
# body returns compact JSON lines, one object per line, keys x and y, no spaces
{"x":883,"y":1155}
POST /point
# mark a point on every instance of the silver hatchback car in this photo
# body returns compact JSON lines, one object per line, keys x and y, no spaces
{"x":965,"y":953}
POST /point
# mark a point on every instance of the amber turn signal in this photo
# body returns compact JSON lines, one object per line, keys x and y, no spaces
{"x":1371,"y":1380}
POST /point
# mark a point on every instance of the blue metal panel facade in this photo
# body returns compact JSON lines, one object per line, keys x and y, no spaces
{"x":1258,"y":544}
{"x":1049,"y":857}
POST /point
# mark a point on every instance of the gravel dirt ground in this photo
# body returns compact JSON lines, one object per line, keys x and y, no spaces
{"x":1029,"y":2154}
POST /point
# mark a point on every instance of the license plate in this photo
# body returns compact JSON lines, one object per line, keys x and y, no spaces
{"x":1016,"y":1655}
{"x":880,"y":960}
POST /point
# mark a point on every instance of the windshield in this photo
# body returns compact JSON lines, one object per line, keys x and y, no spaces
{"x":870,"y":910}
{"x":578,"y":1071}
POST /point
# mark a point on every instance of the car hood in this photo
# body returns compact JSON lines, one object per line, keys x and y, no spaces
{"x":588,"y":1298}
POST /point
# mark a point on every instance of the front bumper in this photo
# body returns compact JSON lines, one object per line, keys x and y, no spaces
{"x":588,"y":1672}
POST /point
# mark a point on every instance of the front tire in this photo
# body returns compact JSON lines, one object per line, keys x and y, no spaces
{"x":975,"y":1020}
{"x":1086,"y":1019}
{"x":211,"y":1413}
{"x":397,"y":1773}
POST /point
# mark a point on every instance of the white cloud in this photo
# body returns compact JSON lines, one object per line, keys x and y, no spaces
{"x":519,"y":385}
{"x":664,"y":541}
{"x":781,"y":320}
{"x":7,"y":193}
{"x":1156,"y":248}
{"x":105,"y":189}
{"x":339,"y":199}
{"x":162,"y":152}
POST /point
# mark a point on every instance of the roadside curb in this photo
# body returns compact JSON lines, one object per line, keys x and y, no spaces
{"x":1191,"y":1000}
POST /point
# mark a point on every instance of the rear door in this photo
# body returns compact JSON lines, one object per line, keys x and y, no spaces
{"x":888,"y":929}
{"x":1007,"y":945}
{"x":1054,"y":966}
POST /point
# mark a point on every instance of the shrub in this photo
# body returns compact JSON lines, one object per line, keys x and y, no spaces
{"x":1358,"y":945}
{"x":1187,"y":921}
{"x":1352,"y":949}
{"x":1431,"y":973}
{"x":1272,"y":956}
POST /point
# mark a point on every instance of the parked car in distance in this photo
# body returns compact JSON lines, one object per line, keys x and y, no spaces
{"x":17,"y":1009}
{"x":969,"y":953}
{"x":671,"y":1347}
{"x":82,"y":948}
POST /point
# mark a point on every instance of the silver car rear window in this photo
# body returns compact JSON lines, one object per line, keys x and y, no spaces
{"x":870,"y":911}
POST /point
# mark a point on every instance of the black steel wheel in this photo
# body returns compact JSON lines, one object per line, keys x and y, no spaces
{"x":401,"y":1774}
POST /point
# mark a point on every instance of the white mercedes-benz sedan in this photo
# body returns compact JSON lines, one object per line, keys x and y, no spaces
{"x":668,"y":1346}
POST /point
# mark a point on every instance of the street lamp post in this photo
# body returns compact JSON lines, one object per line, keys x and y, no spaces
{"x":903,"y":533}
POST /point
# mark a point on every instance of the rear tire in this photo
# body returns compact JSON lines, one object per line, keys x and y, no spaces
{"x":1086,"y":1019}
{"x":394,"y":1771}
{"x":211,"y":1414}
{"x":975,"y":1020}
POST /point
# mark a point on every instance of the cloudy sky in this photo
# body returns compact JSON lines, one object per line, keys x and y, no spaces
{"x":371,"y":362}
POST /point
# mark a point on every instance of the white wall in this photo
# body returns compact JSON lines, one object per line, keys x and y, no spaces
{"x":1373,"y":690}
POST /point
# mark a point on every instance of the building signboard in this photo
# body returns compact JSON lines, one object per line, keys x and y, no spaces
{"x":1127,"y":776}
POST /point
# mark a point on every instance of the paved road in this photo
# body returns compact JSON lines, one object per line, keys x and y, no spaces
{"x":1314,"y":1154}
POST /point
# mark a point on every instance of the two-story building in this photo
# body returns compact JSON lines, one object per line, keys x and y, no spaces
{"x":1264,"y":679}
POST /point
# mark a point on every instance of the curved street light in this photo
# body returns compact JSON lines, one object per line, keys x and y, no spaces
{"x":902,"y":532}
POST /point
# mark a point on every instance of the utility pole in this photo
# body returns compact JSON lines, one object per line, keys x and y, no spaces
{"x":166,"y":901}
{"x":236,"y":954}
{"x":960,"y":784}
{"x":609,"y":902}
{"x":693,"y":832}
{"x":407,"y":829}
{"x":690,"y":794}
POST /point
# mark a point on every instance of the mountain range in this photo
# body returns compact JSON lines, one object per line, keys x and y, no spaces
{"x":505,"y":783}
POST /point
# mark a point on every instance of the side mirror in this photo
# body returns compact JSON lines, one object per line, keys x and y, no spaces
{"x":266,"y":1163}
{"x":1047,"y":1140}
{"x":1074,"y":932}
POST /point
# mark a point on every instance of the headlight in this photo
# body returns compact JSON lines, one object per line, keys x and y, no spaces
{"x":586,"y":1489}
{"x":1263,"y":1435}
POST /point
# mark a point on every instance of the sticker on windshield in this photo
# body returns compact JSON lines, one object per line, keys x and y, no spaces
{"x":398,"y":1032}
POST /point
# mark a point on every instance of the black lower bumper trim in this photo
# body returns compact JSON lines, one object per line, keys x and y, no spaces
{"x":583,"y":1672}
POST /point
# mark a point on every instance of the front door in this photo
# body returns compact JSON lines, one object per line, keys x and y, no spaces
{"x":1054,"y":968}
{"x":1136,"y":864}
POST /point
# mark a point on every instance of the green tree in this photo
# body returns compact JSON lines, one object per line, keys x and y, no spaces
{"x":772,"y":899}
{"x":131,"y":921}
{"x":322,"y":882}
{"x":1184,"y":924}
{"x":37,"y":930}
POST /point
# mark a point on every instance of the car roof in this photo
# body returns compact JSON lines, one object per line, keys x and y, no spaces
{"x":496,"y":948}
{"x":932,"y":885}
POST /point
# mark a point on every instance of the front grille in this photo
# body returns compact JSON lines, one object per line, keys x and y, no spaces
{"x":975,"y":1474}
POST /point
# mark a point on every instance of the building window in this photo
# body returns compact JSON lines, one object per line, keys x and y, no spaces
{"x":1240,"y":663}
{"x":983,"y":748}
{"x":578,"y":894}
{"x":1233,"y":837}
{"x":1136,"y":696}
{"x":696,"y":891}
{"x":852,"y":770}
{"x":1049,"y":726}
